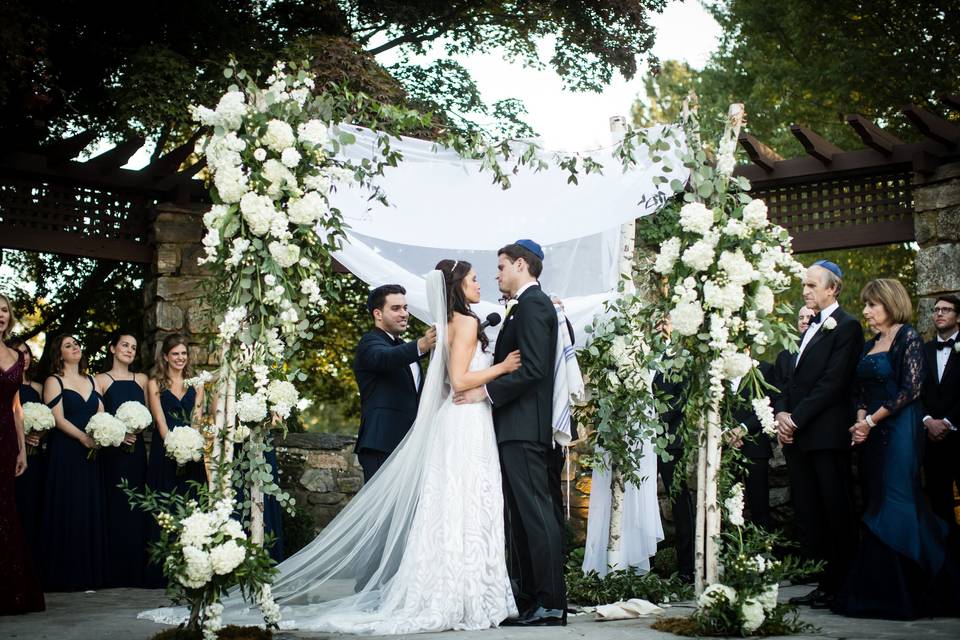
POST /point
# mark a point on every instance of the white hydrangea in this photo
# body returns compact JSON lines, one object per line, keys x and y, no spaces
{"x":231,"y":183}
{"x":763,"y":300}
{"x":317,"y":182}
{"x":696,"y":217}
{"x":232,"y":527}
{"x":734,"y":506}
{"x":285,"y":255}
{"x":278,"y":136}
{"x":252,"y":407}
{"x":197,"y":570}
{"x":283,"y":397}
{"x":764,"y":412}
{"x":308,"y":209}
{"x":215,"y":215}
{"x":184,"y":444}
{"x":290,"y":158}
{"x":736,"y":229}
{"x":736,"y":365}
{"x":728,"y":297}
{"x":715,"y":594}
{"x":238,"y":249}
{"x":686,"y":318}
{"x":106,"y":430}
{"x":768,"y":599}
{"x":231,"y":109}
{"x":667,"y":258}
{"x":313,"y":132}
{"x":240,"y":433}
{"x":755,"y":214}
{"x":753,"y":616}
{"x":737,"y":267}
{"x":134,"y":415}
{"x":232,"y":321}
{"x":37,"y":417}
{"x":699,"y":256}
{"x":226,"y":557}
{"x":258,"y":212}
{"x":197,"y":529}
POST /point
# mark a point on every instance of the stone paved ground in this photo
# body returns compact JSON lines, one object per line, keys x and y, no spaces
{"x":111,"y":615}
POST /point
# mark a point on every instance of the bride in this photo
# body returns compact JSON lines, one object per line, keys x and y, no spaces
{"x":421,"y":547}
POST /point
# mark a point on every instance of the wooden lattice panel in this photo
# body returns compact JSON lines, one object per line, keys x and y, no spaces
{"x":843,"y":211}
{"x":68,"y":217}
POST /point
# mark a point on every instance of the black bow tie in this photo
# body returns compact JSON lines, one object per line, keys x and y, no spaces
{"x":946,"y":344}
{"x":816,"y":318}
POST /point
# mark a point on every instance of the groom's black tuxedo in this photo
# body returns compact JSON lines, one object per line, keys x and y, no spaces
{"x":523,"y":421}
{"x":941,"y":463}
{"x":817,"y":392}
{"x":388,"y":396}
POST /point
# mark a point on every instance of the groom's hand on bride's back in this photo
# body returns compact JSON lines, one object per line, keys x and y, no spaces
{"x":427,"y":340}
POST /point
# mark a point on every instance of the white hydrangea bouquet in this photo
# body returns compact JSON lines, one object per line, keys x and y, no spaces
{"x":184,"y":444}
{"x":37,"y":418}
{"x":135,"y":416}
{"x":106,"y":430}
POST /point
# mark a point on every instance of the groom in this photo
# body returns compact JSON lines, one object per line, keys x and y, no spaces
{"x":523,"y":421}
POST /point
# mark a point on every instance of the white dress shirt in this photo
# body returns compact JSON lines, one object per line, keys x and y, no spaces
{"x":814,"y":327}
{"x":942,"y":356}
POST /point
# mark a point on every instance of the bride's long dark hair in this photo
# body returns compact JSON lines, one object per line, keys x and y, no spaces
{"x":454,"y":271}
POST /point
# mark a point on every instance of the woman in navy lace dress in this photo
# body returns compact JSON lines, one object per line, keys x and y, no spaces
{"x":126,"y":528}
{"x":902,"y":569}
{"x":19,"y":588}
{"x":29,"y":484}
{"x":72,"y":537}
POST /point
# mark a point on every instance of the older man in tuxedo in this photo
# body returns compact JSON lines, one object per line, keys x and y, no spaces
{"x":388,"y":374}
{"x":814,"y":413}
{"x":941,"y":399}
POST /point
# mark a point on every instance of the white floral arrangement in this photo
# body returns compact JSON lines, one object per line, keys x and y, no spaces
{"x":200,"y":380}
{"x":135,"y":416}
{"x":184,"y":444}
{"x":106,"y":430}
{"x":37,"y":418}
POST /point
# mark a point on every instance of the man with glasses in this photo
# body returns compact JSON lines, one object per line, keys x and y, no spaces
{"x":941,"y":398}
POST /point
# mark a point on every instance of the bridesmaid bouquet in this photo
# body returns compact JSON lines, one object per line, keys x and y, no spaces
{"x":184,"y":444}
{"x":135,"y":417}
{"x":106,"y":431}
{"x":37,"y":417}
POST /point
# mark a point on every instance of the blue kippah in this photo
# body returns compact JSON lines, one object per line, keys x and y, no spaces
{"x":829,"y":266}
{"x":531,"y":246}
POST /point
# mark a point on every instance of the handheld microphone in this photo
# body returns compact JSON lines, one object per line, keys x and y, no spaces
{"x":492,"y":320}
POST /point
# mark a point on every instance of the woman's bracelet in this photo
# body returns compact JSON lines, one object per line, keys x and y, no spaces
{"x":869,"y":421}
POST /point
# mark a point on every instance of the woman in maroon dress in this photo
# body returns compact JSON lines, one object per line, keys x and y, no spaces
{"x":19,"y":587}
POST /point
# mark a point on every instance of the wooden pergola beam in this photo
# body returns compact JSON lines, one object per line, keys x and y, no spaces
{"x":932,"y":126}
{"x":872,"y":135}
{"x":117,"y":157}
{"x":170,"y":163}
{"x":815,"y":145}
{"x":68,"y":148}
{"x":759,"y":153}
{"x":951,"y":100}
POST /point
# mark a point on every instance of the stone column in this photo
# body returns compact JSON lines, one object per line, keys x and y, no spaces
{"x":174,"y":295}
{"x":936,"y":203}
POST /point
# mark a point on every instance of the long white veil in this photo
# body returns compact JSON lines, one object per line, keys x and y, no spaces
{"x":347,"y":568}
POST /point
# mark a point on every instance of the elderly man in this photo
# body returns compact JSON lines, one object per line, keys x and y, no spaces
{"x":814,"y":413}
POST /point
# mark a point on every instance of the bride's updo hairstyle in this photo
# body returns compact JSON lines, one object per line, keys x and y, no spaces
{"x":454,"y":271}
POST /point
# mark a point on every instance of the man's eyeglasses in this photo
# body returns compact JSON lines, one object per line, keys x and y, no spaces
{"x":943,"y":310}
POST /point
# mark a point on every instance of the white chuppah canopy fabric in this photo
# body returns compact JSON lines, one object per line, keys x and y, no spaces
{"x":443,"y":206}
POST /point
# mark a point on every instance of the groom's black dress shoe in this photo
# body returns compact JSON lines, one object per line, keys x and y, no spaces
{"x":544,"y":618}
{"x":818,"y":595}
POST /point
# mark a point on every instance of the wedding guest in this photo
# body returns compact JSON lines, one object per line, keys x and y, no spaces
{"x":126,"y":532}
{"x":941,"y":399}
{"x":173,"y":404}
{"x":19,"y":588}
{"x":387,"y":370}
{"x":29,"y":485}
{"x":757,"y":449}
{"x":813,"y":413}
{"x":902,"y":568}
{"x":73,"y":536}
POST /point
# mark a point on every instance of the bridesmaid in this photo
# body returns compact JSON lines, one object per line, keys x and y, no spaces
{"x":29,"y":485}
{"x":172,"y":404}
{"x":72,"y":536}
{"x":126,"y":528}
{"x":19,"y":588}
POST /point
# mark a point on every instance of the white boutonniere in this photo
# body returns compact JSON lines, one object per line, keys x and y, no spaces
{"x":956,"y":347}
{"x":829,"y":324}
{"x":511,"y":303}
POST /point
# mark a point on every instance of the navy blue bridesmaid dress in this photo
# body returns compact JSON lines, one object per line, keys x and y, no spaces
{"x":73,"y":536}
{"x":272,"y":511}
{"x":126,"y":528}
{"x":29,"y":486}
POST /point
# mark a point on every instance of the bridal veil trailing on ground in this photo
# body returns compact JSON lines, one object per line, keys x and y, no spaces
{"x":409,"y":553}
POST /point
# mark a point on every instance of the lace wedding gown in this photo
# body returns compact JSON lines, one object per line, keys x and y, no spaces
{"x":421,"y":547}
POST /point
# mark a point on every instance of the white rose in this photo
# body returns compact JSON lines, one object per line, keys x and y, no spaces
{"x":184,"y":444}
{"x":686,"y":318}
{"x":37,"y":417}
{"x":830,"y":324}
{"x":699,"y":257}
{"x":696,"y":217}
{"x":755,"y":214}
{"x":134,"y":415}
{"x":753,"y":615}
{"x":106,"y":430}
{"x":260,"y":154}
{"x":279,"y":136}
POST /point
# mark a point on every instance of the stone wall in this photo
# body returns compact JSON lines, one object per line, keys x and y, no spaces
{"x":937,"y":227}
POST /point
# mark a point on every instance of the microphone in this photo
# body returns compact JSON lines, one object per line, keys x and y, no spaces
{"x":492,"y":320}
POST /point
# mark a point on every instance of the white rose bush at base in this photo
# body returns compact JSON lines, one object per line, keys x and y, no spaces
{"x":37,"y":418}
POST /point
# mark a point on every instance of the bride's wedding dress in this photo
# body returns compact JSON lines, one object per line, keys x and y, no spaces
{"x":421,"y":546}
